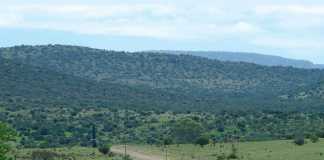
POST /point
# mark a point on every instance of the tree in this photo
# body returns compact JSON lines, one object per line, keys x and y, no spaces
{"x":93,"y":136}
{"x":314,"y":138}
{"x":104,"y":149}
{"x":43,"y":155}
{"x":202,"y":141}
{"x":6,"y":135}
{"x":234,"y":153}
{"x":187,"y":130}
{"x":299,"y":140}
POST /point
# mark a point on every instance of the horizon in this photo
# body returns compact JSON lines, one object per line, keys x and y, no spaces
{"x":215,"y":51}
{"x":287,"y":29}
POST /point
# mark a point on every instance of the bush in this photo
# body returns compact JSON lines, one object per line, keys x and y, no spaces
{"x":234,"y":153}
{"x":104,"y":149}
{"x":202,"y":141}
{"x":299,"y":140}
{"x":7,"y":134}
{"x":43,"y":155}
{"x":167,"y":141}
{"x":314,"y":138}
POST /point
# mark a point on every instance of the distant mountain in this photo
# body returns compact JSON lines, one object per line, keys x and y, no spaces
{"x":261,"y":59}
{"x":50,"y":75}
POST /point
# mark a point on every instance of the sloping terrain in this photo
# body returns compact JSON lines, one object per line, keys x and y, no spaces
{"x":57,"y":74}
{"x":261,"y":59}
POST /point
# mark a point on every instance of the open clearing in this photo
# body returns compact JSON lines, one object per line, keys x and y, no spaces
{"x":269,"y":150}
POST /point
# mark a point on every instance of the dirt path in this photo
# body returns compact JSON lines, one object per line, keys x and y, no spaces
{"x":137,"y":155}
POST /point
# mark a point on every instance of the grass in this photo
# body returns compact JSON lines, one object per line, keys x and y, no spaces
{"x":269,"y":150}
{"x":78,"y":153}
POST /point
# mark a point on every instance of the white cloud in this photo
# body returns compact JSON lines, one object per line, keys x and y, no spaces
{"x":92,"y":11}
{"x":245,"y":27}
{"x":8,"y":19}
{"x":158,"y":20}
{"x":288,"y":43}
{"x":290,"y":9}
{"x":262,"y":24}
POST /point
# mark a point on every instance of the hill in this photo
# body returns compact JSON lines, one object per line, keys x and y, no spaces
{"x":148,"y":80}
{"x":261,"y":59}
{"x":25,"y":85}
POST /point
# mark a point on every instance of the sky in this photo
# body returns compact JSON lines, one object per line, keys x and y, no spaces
{"x":287,"y":28}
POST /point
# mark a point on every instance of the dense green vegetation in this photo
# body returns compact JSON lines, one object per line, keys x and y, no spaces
{"x":256,"y":58}
{"x":66,"y":153}
{"x":25,"y":85}
{"x":69,"y":126}
{"x":54,"y":75}
{"x":67,"y":96}
{"x":7,"y":135}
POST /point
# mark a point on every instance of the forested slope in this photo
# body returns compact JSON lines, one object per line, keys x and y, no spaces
{"x":72,"y":75}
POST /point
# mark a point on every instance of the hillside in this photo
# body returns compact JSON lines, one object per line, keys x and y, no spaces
{"x":22,"y":85}
{"x":261,"y":59}
{"x":148,"y":80}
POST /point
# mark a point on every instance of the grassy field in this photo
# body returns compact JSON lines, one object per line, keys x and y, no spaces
{"x":74,"y":153}
{"x":270,"y":150}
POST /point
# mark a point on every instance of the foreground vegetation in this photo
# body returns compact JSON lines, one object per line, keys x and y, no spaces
{"x":61,"y":127}
{"x":67,"y":153}
{"x":265,"y":150}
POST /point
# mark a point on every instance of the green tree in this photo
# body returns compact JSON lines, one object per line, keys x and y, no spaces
{"x":202,"y":141}
{"x":299,"y":139}
{"x":105,"y":149}
{"x":187,"y":130}
{"x":6,"y":135}
{"x":314,"y":138}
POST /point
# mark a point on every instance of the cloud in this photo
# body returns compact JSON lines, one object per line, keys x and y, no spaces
{"x":7,"y":19}
{"x":265,"y":24}
{"x":288,"y":43}
{"x":157,"y":20}
{"x":92,"y":11}
{"x":291,"y":9}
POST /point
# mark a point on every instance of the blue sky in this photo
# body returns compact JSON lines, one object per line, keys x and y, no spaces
{"x":288,"y":28}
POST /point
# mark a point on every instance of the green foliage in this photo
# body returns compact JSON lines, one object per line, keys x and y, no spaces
{"x":105,"y":149}
{"x":234,"y":153}
{"x":6,"y":135}
{"x":314,"y":138}
{"x":80,"y":76}
{"x":202,"y":141}
{"x":54,"y":93}
{"x":47,"y":127}
{"x":299,"y":140}
{"x":44,"y":155}
{"x":187,"y":130}
{"x":167,"y":141}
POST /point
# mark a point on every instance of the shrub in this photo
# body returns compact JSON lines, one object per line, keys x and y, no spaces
{"x":233,"y":154}
{"x":104,"y":149}
{"x":43,"y":155}
{"x":6,"y":135}
{"x":314,"y":138}
{"x":299,"y":140}
{"x":202,"y":141}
